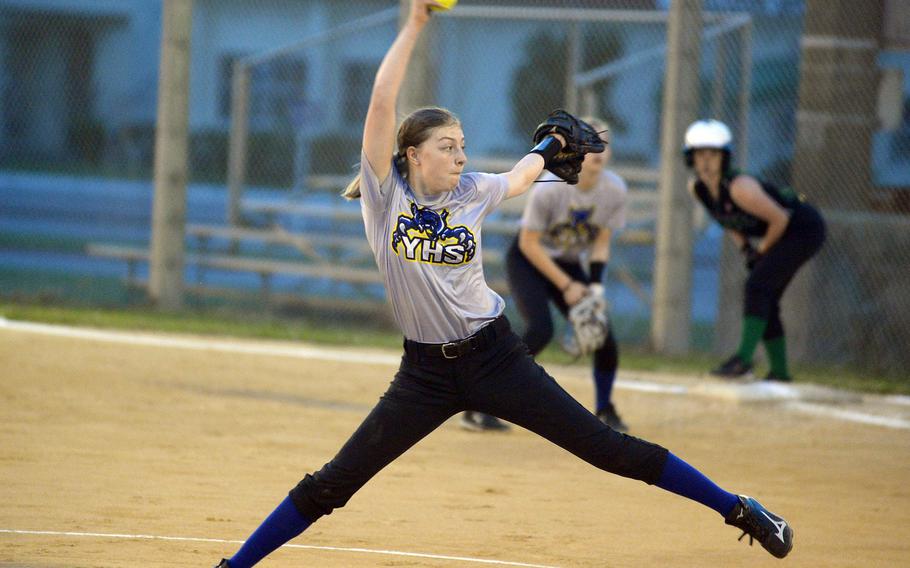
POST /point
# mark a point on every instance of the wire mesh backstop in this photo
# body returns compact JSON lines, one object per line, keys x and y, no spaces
{"x":815,"y":92}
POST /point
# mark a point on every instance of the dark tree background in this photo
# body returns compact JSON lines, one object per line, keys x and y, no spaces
{"x":537,"y":90}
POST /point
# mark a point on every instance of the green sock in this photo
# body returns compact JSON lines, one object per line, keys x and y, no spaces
{"x":753,"y":329}
{"x":777,"y":355}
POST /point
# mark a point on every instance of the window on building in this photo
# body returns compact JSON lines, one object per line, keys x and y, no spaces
{"x":287,"y":89}
{"x":358,"y":81}
{"x":277,"y":90}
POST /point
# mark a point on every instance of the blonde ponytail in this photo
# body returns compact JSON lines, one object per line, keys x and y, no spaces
{"x":352,"y":191}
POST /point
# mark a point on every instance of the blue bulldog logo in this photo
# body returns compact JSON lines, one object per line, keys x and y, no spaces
{"x":425,"y":236}
{"x":576,"y":230}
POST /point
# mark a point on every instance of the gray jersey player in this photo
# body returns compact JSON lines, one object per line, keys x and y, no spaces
{"x":423,"y":220}
{"x":560,"y":256}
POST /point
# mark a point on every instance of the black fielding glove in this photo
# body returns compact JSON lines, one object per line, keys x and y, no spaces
{"x":581,"y":138}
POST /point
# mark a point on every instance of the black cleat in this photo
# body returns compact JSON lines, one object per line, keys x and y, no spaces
{"x":608,"y":416}
{"x":774,"y":534}
{"x":480,"y":422}
{"x":733,"y":368}
{"x":223,"y":564}
{"x":778,"y":378}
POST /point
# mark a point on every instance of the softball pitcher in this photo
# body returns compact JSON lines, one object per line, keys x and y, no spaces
{"x":563,"y":226}
{"x":789,"y":232}
{"x":423,"y":220}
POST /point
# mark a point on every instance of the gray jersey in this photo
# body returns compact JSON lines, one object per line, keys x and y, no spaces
{"x":429,"y":253}
{"x":569,"y":218}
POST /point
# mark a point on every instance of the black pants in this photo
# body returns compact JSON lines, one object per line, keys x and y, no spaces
{"x":765,"y":286}
{"x":533,"y":292}
{"x":499,"y":378}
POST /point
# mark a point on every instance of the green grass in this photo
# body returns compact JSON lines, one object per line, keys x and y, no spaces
{"x":205,"y":322}
{"x":21,"y":242}
{"x":229,"y":322}
{"x":43,"y":287}
{"x":698,"y":363}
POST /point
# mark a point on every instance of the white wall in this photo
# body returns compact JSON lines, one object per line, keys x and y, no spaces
{"x":83,"y":7}
{"x":476,"y":67}
{"x":4,"y":80}
{"x":223,"y":27}
{"x":126,"y":66}
{"x":47,"y":111}
{"x":475,"y":64}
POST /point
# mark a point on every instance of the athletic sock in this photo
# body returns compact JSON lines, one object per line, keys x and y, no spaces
{"x":683,"y":479}
{"x":753,"y":329}
{"x":282,"y":525}
{"x":603,"y":388}
{"x":777,"y":355}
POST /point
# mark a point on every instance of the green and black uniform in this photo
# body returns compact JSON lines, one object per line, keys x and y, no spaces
{"x":803,"y":237}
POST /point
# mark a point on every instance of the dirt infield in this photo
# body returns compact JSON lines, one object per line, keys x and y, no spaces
{"x":116,"y":439}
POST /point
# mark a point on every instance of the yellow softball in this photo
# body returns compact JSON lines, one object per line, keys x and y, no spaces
{"x":443,"y":5}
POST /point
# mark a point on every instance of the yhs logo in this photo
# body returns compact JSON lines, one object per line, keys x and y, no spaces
{"x":425,"y":236}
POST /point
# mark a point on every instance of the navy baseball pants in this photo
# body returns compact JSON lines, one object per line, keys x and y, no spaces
{"x":771,"y":275}
{"x":492,"y":372}
{"x":532,"y":292}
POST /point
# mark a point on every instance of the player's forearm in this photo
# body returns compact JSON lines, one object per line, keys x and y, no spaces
{"x":600,"y":250}
{"x":738,"y":238}
{"x":379,"y":126}
{"x":529,"y":168}
{"x":601,"y":256}
{"x":773,"y":234}
{"x":523,"y":174}
{"x":394,"y":65}
{"x":539,"y":259}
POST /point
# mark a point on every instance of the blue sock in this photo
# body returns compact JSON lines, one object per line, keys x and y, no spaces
{"x":683,"y":479}
{"x":603,"y":387}
{"x":282,"y":525}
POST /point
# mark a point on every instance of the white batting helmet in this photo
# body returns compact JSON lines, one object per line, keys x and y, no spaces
{"x":708,"y":134}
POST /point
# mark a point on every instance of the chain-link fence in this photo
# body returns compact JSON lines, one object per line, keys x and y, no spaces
{"x":816,"y":96}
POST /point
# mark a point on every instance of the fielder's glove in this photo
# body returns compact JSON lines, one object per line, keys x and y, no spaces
{"x":589,"y":324}
{"x":581,"y":138}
